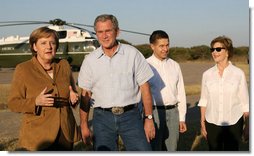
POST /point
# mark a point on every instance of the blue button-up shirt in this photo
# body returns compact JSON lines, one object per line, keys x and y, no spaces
{"x":114,"y":81}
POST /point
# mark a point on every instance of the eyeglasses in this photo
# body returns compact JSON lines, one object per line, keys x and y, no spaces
{"x":218,"y":49}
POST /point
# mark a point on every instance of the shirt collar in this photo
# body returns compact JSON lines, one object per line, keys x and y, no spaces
{"x":118,"y":51}
{"x":158,"y":61}
{"x":229,"y":66}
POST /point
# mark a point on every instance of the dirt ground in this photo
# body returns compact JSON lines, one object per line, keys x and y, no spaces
{"x":10,"y":123}
{"x":192,"y":73}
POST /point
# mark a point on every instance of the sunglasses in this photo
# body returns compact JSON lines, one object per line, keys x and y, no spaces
{"x":217,"y":49}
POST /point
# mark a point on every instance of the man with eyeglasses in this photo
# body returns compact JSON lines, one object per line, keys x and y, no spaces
{"x":224,"y":100}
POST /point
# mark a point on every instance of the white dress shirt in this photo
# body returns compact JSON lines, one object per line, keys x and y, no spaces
{"x":226,"y":97}
{"x":167,"y":84}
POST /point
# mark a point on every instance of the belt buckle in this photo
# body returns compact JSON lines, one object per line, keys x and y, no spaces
{"x":117,"y":110}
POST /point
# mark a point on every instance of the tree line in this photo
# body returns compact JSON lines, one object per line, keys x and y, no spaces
{"x":195,"y":53}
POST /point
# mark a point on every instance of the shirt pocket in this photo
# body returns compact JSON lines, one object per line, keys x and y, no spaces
{"x":126,"y":80}
{"x":231,"y":86}
{"x":212,"y":87}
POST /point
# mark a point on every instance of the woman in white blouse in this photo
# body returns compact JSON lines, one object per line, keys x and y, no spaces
{"x":224,"y":101}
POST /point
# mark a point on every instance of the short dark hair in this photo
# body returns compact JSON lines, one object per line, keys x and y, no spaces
{"x":158,"y":34}
{"x":41,"y":33}
{"x":105,"y":17}
{"x":227,"y":42}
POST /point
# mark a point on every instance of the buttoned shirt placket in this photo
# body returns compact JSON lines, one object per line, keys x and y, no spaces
{"x":165,"y":77}
{"x":221,"y":93}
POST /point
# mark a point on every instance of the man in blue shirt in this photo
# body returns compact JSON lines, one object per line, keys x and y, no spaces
{"x":113,"y":80}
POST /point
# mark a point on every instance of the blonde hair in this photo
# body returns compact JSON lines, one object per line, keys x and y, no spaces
{"x":41,"y":33}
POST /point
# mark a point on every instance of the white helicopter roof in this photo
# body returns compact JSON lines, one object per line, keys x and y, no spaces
{"x":13,"y":39}
{"x":66,"y":35}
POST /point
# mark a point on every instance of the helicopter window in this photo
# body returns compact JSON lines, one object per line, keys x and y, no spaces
{"x":26,"y":48}
{"x":63,"y":47}
{"x":90,"y":45}
{"x":96,"y":43}
{"x":60,"y":48}
{"x":62,"y":34}
{"x":76,"y":48}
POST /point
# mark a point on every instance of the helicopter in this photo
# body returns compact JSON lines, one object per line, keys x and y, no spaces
{"x":74,"y":43}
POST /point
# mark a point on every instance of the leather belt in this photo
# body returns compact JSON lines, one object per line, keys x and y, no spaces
{"x":119,"y":110}
{"x":166,"y":107}
{"x":60,"y":102}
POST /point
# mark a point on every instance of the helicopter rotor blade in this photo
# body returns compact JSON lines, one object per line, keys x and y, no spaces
{"x":25,"y":23}
{"x":135,"y":32}
{"x":84,"y":25}
{"x":74,"y":26}
{"x":61,"y":22}
{"x":128,"y":31}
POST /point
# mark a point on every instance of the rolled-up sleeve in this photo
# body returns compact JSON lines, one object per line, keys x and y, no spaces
{"x":243,"y":93}
{"x":204,"y":95}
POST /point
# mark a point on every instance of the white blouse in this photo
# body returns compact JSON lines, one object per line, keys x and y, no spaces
{"x":226,"y":98}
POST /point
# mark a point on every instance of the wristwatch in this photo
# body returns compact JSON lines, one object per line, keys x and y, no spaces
{"x":150,"y":116}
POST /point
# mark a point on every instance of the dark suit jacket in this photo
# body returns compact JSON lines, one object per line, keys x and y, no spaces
{"x":38,"y":131}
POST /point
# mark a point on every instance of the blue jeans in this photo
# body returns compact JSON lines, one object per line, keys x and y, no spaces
{"x":129,"y":125}
{"x":167,"y":129}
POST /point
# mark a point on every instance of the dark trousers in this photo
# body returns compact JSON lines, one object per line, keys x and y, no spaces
{"x":224,"y":138}
{"x":60,"y":144}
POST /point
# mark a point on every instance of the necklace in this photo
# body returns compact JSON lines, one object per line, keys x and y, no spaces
{"x":48,"y":69}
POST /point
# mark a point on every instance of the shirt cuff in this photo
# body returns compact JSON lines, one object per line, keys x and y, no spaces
{"x":202,"y":103}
